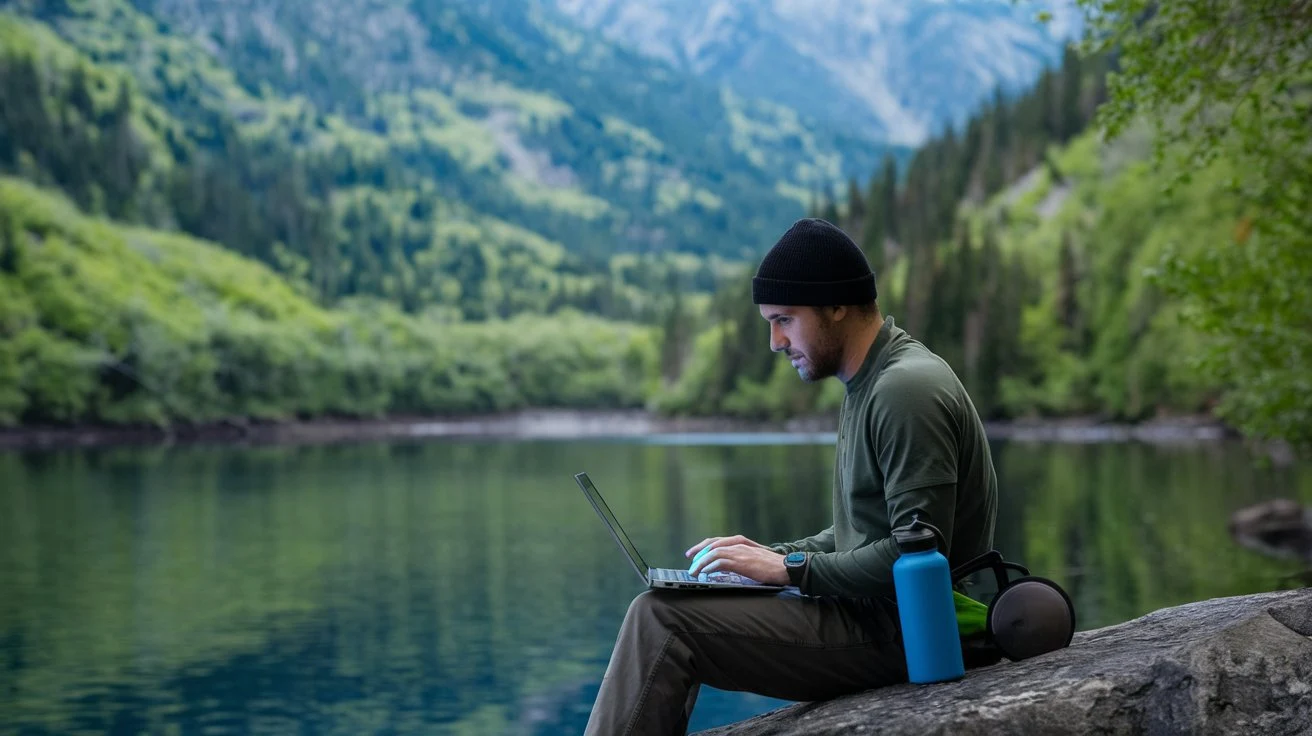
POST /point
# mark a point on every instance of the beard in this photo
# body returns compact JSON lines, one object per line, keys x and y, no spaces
{"x":824,"y":358}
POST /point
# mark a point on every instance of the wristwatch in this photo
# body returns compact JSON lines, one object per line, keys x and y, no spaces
{"x":795,"y":564}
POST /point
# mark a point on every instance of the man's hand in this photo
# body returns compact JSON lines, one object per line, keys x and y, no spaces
{"x":721,"y":542}
{"x":741,"y":555}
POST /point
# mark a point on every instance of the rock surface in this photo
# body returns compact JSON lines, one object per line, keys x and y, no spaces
{"x":1240,"y":665}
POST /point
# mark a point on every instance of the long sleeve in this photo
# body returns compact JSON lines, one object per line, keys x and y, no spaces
{"x":910,"y":439}
{"x":910,"y":445}
{"x":821,"y":542}
{"x":868,"y":571}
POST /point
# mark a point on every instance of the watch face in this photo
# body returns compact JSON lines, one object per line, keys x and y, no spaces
{"x":795,"y":558}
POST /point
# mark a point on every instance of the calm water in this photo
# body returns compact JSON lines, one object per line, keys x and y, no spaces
{"x":467,"y":587}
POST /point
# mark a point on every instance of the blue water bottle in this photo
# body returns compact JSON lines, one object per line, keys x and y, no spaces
{"x":923,"y":583}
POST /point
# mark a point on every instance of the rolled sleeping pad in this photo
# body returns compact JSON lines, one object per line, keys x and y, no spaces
{"x":1031,"y":616}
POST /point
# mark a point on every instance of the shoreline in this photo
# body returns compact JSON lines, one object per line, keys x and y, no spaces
{"x":566,"y":424}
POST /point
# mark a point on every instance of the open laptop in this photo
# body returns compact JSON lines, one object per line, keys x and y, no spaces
{"x":662,"y":577}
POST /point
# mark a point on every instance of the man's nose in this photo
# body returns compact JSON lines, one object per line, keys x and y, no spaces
{"x":778,"y":342}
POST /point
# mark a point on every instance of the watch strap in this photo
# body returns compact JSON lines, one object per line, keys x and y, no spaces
{"x":797,"y":572}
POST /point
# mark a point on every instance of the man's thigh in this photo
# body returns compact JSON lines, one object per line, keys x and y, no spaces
{"x":785,"y":646}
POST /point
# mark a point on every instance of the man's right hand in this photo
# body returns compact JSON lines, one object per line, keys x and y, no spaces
{"x":713,"y":542}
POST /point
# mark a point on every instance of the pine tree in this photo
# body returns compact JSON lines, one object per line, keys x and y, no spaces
{"x":971,"y":148}
{"x":73,"y":160}
{"x":994,"y":305}
{"x":829,"y":211}
{"x":950,"y":182}
{"x":1072,"y":118}
{"x":78,"y":96}
{"x":872,"y":225}
{"x":855,"y":210}
{"x":1046,"y":106}
{"x":24,"y":115}
{"x":8,"y":143}
{"x":676,"y":337}
{"x":880,"y":213}
{"x":949,"y":302}
{"x":122,"y":157}
{"x":9,"y":242}
{"x":892,"y":221}
{"x":1067,"y":299}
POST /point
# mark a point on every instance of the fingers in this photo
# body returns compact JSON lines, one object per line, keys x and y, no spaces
{"x":703,"y":558}
{"x":699,"y":546}
{"x":713,"y":567}
{"x":721,"y":542}
{"x":716,"y":558}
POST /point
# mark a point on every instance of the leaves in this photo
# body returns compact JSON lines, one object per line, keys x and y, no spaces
{"x":1226,"y":84}
{"x":119,"y":325}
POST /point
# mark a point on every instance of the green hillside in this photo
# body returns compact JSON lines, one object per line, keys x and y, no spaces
{"x":117,"y":153}
{"x":107,"y":323}
{"x":1058,"y":315}
{"x":1027,"y":254}
{"x":374,"y":123}
{"x":1043,"y":300}
{"x":365,"y":243}
{"x":1017,"y":249}
{"x":1054,"y":314}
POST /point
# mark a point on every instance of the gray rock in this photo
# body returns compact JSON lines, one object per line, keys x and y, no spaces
{"x":1240,"y":665}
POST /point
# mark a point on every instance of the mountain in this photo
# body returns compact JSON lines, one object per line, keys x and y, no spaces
{"x":1004,"y":248}
{"x":897,"y":69}
{"x":501,"y":111}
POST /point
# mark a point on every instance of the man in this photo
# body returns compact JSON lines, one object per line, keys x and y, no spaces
{"x":909,"y":443}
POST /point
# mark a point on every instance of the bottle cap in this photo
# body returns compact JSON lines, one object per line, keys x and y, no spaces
{"x":915,"y":540}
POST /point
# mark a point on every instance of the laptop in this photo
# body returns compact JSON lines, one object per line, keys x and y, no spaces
{"x":663,"y":577}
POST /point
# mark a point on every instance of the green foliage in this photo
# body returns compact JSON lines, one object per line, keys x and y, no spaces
{"x":494,"y":108}
{"x":110,"y":324}
{"x":943,"y":240}
{"x":1034,"y":270}
{"x":1099,"y":337}
{"x":1048,"y":268}
{"x":1225,"y":88}
{"x":333,"y":239}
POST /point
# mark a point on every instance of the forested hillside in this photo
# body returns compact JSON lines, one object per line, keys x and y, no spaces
{"x":1016,"y":248}
{"x":1013,"y":247}
{"x":107,"y":323}
{"x":349,"y":273}
{"x":435,"y":153}
{"x":1022,"y":251}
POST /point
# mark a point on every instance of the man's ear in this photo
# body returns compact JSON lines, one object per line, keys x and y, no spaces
{"x":837,"y":313}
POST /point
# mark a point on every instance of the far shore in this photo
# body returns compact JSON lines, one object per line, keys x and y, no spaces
{"x":563,"y":424}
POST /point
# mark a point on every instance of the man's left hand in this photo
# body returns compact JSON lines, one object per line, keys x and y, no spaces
{"x":761,"y":565}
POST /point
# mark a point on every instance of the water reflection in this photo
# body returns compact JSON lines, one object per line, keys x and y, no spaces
{"x":468,"y":588}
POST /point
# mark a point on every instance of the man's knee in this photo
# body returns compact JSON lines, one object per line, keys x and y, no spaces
{"x":651,"y":607}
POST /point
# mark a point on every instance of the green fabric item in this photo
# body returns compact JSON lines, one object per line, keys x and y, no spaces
{"x":972,"y":616}
{"x":909,"y":443}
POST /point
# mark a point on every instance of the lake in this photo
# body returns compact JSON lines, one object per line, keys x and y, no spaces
{"x":466,"y":587}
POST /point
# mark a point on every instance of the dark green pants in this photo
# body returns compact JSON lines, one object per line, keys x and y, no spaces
{"x":783,"y":646}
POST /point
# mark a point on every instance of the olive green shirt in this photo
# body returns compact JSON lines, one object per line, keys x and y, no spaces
{"x":909,"y":443}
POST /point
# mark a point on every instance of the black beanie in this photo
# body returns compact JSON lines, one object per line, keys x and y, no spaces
{"x":814,"y":264}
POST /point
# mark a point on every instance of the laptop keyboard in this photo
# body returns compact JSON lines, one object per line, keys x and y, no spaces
{"x":683,"y":576}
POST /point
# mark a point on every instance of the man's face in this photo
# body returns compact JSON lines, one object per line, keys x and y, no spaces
{"x":808,"y":336}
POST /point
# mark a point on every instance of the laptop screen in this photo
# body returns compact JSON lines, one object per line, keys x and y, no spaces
{"x":599,"y":503}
